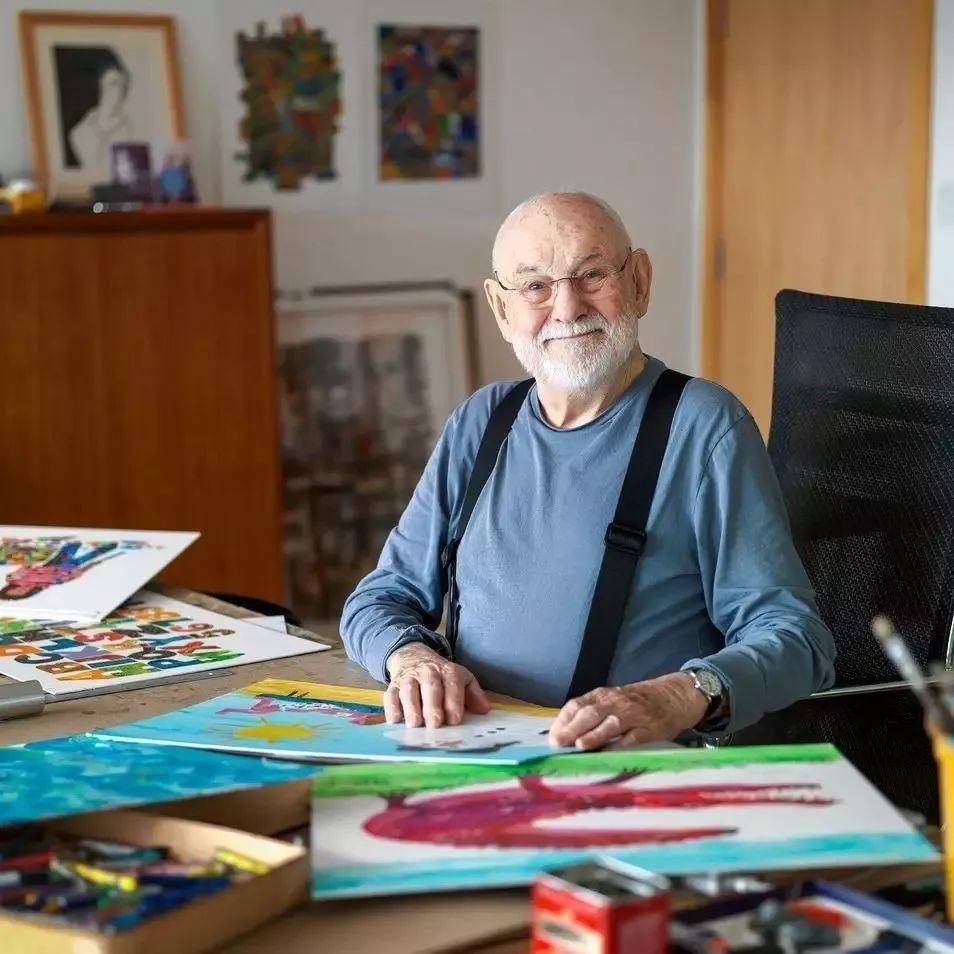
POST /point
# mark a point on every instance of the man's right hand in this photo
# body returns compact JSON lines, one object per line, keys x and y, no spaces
{"x":427,"y":689}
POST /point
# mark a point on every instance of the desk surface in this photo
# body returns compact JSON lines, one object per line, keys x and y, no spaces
{"x":396,"y":925}
{"x":491,"y":922}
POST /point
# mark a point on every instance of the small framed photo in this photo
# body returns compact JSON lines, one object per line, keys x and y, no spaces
{"x":174,"y":180}
{"x":132,"y":168}
{"x":93,"y":81}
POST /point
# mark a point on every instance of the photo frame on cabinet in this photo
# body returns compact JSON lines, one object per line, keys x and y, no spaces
{"x":92,"y":81}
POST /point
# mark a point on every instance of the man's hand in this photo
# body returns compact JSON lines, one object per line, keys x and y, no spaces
{"x":427,"y":689}
{"x":653,"y":711}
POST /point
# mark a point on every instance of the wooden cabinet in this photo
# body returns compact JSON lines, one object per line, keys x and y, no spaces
{"x":137,"y":384}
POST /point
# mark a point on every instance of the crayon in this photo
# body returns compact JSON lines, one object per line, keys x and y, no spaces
{"x":122,"y":880}
{"x":39,"y":859}
{"x":13,"y":879}
{"x":166,"y":900}
{"x":213,"y":869}
{"x":240,"y":862}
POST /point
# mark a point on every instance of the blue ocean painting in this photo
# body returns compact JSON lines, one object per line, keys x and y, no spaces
{"x":300,"y":720}
{"x":82,"y":773}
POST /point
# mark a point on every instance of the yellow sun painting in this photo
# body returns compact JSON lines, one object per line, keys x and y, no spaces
{"x":273,"y":732}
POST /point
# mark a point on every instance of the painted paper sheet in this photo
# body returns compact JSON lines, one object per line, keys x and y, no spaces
{"x":292,"y":100}
{"x":148,"y":637}
{"x":399,"y":829}
{"x":301,"y":720}
{"x":83,"y":774}
{"x":428,"y":102}
{"x":78,"y":575}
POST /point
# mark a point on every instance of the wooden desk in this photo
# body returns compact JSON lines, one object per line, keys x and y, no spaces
{"x":368,"y":926}
{"x":490,"y":922}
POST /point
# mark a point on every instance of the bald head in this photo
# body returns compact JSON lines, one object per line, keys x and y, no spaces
{"x":553,"y":216}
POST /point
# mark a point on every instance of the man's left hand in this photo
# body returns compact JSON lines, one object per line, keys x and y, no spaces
{"x":656,"y":710}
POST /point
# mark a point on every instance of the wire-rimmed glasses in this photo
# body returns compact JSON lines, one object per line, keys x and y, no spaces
{"x":542,"y":291}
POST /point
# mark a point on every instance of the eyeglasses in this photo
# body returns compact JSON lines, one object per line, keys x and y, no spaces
{"x":542,"y":291}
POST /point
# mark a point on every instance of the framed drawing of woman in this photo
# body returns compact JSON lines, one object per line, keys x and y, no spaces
{"x":91,"y":81}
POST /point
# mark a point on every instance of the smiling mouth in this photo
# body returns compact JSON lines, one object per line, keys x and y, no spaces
{"x":582,"y":334}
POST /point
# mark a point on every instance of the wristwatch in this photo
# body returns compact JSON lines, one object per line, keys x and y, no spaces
{"x":710,"y":685}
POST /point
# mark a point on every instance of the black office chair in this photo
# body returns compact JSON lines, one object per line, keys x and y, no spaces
{"x":862,"y":439}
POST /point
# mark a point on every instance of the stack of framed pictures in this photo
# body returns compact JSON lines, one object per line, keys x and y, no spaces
{"x":367,"y":377}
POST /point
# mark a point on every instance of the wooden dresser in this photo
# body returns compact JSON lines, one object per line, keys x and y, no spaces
{"x":137,"y":384}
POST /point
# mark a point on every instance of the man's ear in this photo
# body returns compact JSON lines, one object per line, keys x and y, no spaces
{"x":642,"y":271}
{"x":497,"y":306}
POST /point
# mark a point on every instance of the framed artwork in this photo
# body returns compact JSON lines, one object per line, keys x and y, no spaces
{"x":367,"y":377}
{"x":91,"y":81}
{"x":290,"y":133}
{"x":428,"y":103}
{"x":433,"y":80}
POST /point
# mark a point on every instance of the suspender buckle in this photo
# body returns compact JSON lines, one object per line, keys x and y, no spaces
{"x":629,"y":540}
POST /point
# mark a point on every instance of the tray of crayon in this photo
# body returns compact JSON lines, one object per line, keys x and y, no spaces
{"x":127,"y":882}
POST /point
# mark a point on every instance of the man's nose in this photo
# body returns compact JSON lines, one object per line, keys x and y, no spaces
{"x":567,"y":303}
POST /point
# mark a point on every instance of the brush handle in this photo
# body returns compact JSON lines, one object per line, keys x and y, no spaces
{"x":897,"y":651}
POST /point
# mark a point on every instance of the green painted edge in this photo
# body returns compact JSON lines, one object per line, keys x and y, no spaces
{"x":392,"y":778}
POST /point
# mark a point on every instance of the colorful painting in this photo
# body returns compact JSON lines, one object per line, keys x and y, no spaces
{"x":292,"y":104}
{"x":301,"y":720}
{"x":393,"y":829}
{"x":148,"y":637}
{"x":83,"y":774}
{"x":78,"y":575}
{"x":429,"y":122}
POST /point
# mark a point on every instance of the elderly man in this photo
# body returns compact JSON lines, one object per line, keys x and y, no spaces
{"x":606,"y":460}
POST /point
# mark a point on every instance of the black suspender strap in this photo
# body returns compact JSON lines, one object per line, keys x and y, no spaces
{"x":498,"y":427}
{"x":626,"y":536}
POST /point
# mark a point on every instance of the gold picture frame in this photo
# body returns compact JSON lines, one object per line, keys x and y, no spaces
{"x":73,"y":64}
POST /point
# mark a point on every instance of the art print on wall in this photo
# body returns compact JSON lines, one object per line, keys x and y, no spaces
{"x":290,"y":113}
{"x":366,"y":380}
{"x":92,"y":81}
{"x":399,"y":829}
{"x":428,"y":102}
{"x":292,"y":99}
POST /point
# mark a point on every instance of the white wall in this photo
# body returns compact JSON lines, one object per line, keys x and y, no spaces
{"x":941,"y":234}
{"x":602,"y":96}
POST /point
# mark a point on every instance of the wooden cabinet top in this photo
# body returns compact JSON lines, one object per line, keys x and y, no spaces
{"x":153,"y":220}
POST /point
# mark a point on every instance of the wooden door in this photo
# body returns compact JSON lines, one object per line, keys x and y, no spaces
{"x":817,"y":141}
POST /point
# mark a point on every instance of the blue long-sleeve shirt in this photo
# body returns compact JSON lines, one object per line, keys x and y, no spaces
{"x":719,"y":584}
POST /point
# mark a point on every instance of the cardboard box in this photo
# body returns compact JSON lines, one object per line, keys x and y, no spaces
{"x":197,"y":926}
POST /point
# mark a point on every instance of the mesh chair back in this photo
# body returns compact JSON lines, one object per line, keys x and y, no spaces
{"x":862,"y":440}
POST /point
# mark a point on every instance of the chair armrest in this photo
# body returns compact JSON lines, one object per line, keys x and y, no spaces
{"x":842,"y":691}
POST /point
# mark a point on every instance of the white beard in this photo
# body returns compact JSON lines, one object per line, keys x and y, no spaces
{"x":583,"y":363}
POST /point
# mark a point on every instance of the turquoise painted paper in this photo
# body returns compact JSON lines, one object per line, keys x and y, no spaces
{"x":457,"y":874}
{"x":83,"y":774}
{"x":309,"y":726}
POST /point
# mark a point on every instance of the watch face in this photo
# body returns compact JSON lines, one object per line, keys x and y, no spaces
{"x":710,"y":683}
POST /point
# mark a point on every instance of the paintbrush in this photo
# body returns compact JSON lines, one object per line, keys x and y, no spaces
{"x":897,"y":651}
